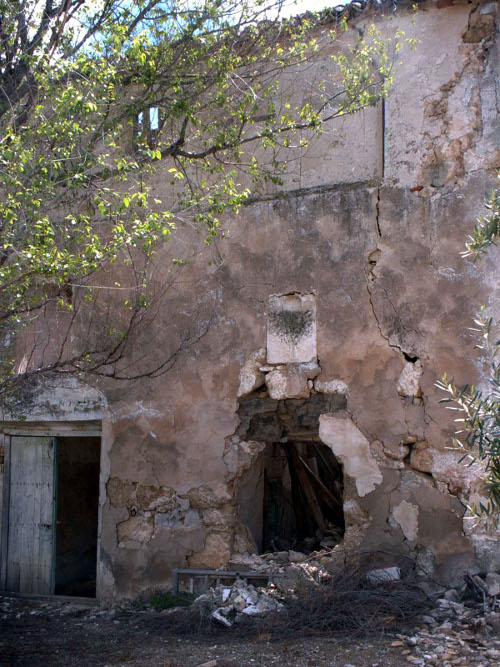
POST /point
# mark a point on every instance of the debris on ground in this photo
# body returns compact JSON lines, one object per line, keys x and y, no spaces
{"x":227,"y":605}
{"x":458,"y":628}
{"x":315,"y":567}
{"x":312,"y":599}
{"x":415,"y":621}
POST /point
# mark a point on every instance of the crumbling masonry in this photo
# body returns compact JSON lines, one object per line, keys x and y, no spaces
{"x":335,"y":303}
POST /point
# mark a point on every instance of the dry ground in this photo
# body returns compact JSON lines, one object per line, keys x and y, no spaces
{"x":46,"y":632}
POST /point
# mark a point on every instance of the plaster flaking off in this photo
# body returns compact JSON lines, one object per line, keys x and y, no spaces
{"x":353,"y":449}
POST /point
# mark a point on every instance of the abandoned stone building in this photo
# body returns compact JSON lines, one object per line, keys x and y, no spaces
{"x":306,"y":415}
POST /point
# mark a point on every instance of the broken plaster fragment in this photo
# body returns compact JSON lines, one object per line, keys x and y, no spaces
{"x":409,"y":380}
{"x":251,"y":377}
{"x":406,"y":516}
{"x":347,"y":442}
{"x":331,"y":387}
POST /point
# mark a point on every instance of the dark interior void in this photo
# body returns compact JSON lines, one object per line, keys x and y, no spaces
{"x":77,"y":512}
{"x":291,"y":497}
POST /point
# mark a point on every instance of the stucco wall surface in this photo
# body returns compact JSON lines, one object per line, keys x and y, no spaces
{"x":372,"y":237}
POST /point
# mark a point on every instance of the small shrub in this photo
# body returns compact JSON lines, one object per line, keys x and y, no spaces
{"x":167,"y":600}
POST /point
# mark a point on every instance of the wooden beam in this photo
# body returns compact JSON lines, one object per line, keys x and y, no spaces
{"x":87,"y":428}
{"x":307,"y":487}
{"x":324,"y":491}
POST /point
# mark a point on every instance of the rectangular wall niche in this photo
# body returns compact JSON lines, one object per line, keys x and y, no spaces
{"x":291,"y":328}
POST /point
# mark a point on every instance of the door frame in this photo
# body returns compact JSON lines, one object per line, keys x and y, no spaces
{"x":90,"y":428}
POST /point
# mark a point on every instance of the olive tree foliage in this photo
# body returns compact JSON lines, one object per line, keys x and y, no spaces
{"x":478,"y":412}
{"x":98,"y":96}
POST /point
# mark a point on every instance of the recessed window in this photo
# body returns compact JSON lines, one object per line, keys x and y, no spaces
{"x":147,"y":127}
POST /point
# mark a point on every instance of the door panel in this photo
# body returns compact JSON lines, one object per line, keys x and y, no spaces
{"x":31,"y":530}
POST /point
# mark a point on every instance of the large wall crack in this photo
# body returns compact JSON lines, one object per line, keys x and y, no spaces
{"x":370,"y":279}
{"x":377,"y":213}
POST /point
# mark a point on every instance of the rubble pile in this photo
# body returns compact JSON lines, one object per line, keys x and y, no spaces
{"x":228,"y":604}
{"x":314,"y":597}
{"x":314,"y":568}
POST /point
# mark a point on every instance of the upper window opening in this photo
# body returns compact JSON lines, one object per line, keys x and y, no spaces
{"x":147,"y":127}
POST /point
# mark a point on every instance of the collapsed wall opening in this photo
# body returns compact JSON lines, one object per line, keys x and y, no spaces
{"x":291,"y":496}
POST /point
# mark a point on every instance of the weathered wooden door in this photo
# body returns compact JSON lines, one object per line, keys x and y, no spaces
{"x":31,"y":516}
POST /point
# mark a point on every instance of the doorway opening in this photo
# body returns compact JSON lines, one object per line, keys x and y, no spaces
{"x":291,"y":496}
{"x":77,"y":516}
{"x":50,"y":517}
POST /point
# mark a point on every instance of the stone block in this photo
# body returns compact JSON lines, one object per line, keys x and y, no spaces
{"x":409,"y":380}
{"x":287,"y":382}
{"x":291,"y":328}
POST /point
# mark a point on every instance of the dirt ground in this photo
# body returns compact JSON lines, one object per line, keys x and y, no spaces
{"x":47,"y":632}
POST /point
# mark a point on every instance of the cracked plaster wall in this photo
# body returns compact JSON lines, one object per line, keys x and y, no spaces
{"x":376,"y":242}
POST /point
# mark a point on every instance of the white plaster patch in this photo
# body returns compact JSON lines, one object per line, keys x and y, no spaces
{"x":406,"y":516}
{"x":291,"y":328}
{"x":353,"y":449}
